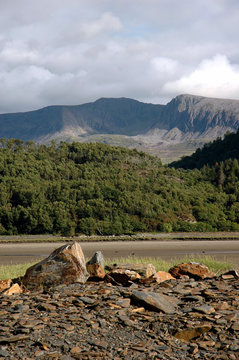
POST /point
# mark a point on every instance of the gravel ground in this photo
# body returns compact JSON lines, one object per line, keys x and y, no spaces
{"x":189,"y":320}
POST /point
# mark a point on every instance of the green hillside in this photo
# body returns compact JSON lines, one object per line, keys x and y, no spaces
{"x":99,"y":189}
{"x":211,"y":153}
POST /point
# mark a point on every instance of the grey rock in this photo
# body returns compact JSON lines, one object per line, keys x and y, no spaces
{"x":4,"y":353}
{"x":154,"y":301}
{"x":97,"y":258}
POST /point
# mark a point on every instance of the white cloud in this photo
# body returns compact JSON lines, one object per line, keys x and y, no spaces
{"x":214,"y":77}
{"x":164,"y":65}
{"x":75,"y":51}
{"x":106,"y":22}
{"x":16,"y":53}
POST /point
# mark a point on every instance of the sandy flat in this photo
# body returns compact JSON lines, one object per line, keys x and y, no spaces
{"x":224,"y":249}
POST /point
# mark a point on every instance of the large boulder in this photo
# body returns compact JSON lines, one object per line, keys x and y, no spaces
{"x":193,"y":270}
{"x":65,"y":265}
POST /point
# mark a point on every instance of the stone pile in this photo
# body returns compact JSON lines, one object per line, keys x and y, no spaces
{"x":141,"y":318}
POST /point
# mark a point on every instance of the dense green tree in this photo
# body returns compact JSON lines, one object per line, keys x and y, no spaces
{"x":99,"y":189}
{"x":211,"y":153}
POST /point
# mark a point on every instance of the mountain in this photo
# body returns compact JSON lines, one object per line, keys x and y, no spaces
{"x":215,"y":152}
{"x":104,"y":116}
{"x":169,"y":131}
{"x":198,"y":114}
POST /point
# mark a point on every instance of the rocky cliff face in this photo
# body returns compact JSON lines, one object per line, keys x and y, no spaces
{"x":191,"y":113}
{"x":184,"y":119}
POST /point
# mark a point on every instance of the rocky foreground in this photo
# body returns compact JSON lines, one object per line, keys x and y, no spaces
{"x":122,"y":316}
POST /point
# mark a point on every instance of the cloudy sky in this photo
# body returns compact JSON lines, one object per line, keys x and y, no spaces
{"x":76,"y":51}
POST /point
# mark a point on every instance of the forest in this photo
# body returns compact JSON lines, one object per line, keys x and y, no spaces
{"x":213,"y":152}
{"x":82,"y":188}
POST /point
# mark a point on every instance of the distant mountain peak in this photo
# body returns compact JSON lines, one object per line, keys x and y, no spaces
{"x":189,"y":116}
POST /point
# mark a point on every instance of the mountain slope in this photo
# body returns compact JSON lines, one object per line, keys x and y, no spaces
{"x":105,"y":116}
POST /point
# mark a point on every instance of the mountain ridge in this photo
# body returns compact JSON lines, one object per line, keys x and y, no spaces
{"x":151,"y":127}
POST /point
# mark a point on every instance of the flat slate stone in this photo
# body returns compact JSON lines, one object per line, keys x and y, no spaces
{"x":204,"y":309}
{"x":191,"y":333}
{"x":11,"y":339}
{"x":154,"y":301}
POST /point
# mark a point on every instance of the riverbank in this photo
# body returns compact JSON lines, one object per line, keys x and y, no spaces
{"x":46,"y":238}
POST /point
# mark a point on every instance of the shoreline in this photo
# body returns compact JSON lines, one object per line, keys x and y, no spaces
{"x":190,"y":236}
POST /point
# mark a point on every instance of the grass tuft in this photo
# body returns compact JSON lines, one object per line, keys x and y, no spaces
{"x":13,"y":271}
{"x":218,"y":267}
{"x":214,"y":265}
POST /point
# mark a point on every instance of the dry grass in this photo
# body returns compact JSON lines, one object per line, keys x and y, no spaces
{"x":14,"y":271}
{"x":214,"y":265}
